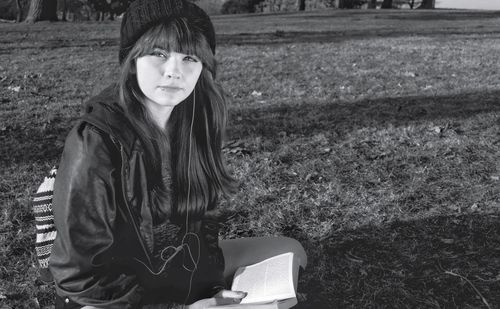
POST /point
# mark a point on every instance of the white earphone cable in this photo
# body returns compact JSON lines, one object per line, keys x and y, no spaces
{"x":187,"y":203}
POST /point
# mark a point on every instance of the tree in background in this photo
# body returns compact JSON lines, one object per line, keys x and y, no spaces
{"x":302,"y":5}
{"x":61,"y":7}
{"x":427,"y":4}
{"x":350,"y":4}
{"x":387,"y":4}
{"x":212,"y":7}
{"x":19,"y":13}
{"x":15,"y":10}
{"x":108,"y":8}
{"x":235,"y":7}
{"x":42,"y":10}
{"x":101,"y":8}
{"x":239,"y":6}
{"x":76,"y":9}
{"x":412,"y":4}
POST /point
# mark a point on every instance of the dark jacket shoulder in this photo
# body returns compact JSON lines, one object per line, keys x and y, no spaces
{"x":104,"y":112}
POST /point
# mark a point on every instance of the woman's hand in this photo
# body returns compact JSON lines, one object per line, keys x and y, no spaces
{"x":224,"y":297}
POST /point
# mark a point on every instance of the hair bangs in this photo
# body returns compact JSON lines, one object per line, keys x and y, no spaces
{"x":179,"y":36}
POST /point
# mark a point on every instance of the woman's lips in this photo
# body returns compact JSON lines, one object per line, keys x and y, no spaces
{"x":170,"y":88}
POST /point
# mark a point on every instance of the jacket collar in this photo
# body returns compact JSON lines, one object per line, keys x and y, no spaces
{"x":104,"y":112}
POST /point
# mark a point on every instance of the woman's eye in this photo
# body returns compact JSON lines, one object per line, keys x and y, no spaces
{"x":159,"y":53}
{"x":190,"y":58}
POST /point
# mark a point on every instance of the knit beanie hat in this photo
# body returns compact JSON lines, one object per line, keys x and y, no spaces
{"x":143,"y":14}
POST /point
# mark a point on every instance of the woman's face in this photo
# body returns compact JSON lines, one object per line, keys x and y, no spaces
{"x":167,"y":78}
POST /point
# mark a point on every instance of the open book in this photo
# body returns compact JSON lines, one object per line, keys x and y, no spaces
{"x":269,"y":284}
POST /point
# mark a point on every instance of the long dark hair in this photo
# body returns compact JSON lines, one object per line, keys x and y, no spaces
{"x":207,"y":177}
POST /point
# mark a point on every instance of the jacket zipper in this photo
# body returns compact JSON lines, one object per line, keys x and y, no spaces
{"x":125,"y":200}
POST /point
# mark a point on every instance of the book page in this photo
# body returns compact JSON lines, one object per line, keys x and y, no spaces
{"x":271,"y":279}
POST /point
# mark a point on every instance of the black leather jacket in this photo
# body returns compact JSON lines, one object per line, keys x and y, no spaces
{"x":100,"y":256}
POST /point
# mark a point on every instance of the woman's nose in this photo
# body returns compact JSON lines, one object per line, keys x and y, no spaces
{"x":171,"y":68}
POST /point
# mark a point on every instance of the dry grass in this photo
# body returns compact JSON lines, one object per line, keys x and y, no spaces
{"x":372,"y":137}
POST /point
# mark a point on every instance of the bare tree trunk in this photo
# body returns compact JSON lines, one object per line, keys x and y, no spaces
{"x":35,"y":11}
{"x":49,"y":11}
{"x":89,"y":12}
{"x":62,"y":7}
{"x":42,"y":10}
{"x":19,"y":13}
{"x":427,"y":4}
{"x":302,"y":5}
{"x":344,"y":4}
{"x":387,"y":4}
{"x":372,"y":4}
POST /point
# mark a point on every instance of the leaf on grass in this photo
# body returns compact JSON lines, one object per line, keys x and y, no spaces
{"x":436,"y":129}
{"x":351,"y":257}
{"x":301,"y":297}
{"x":36,"y":303}
{"x":409,"y":74}
{"x":363,"y":272}
{"x":15,"y":89}
{"x":448,"y":241}
{"x":308,"y":177}
{"x":236,"y":147}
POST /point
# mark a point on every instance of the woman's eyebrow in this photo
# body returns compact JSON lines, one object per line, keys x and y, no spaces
{"x":159,"y":47}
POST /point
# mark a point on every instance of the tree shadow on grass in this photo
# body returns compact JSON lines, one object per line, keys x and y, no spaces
{"x":436,"y":262}
{"x":31,"y":144}
{"x":276,"y":37}
{"x":339,"y":118}
{"x":305,"y":37}
{"x":384,"y":14}
{"x":411,"y":27}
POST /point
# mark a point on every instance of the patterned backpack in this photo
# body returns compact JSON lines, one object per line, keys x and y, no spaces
{"x":45,"y":228}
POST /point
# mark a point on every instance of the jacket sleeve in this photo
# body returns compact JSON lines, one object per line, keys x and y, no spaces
{"x":85,"y":213}
{"x":215,"y":261}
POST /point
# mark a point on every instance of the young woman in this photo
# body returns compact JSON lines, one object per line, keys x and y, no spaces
{"x":138,"y":184}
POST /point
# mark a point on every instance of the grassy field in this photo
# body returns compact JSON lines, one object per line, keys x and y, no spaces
{"x":372,"y":137}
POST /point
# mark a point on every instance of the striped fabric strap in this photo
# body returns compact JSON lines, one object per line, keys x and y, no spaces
{"x":44,"y":219}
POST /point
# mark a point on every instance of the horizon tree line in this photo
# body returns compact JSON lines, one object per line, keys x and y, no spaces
{"x":38,"y":10}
